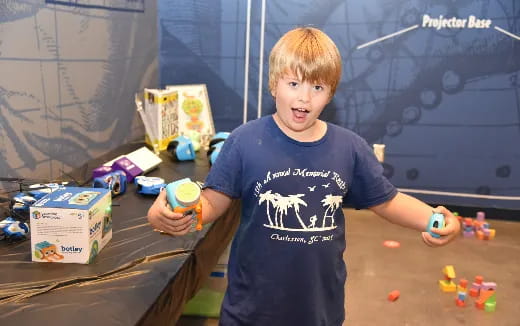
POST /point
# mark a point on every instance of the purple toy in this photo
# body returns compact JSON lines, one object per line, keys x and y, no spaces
{"x":101,"y":171}
{"x":131,"y":170}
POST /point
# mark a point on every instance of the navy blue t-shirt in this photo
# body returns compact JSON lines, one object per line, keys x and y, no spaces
{"x":286,"y":263}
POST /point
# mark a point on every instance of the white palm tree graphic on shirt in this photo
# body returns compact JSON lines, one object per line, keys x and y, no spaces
{"x":269,"y":198}
{"x":332,"y":203}
{"x":295,"y":202}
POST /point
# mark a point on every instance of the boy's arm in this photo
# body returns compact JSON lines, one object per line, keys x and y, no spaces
{"x":214,"y":205}
{"x":412,"y":213}
{"x":164,"y":219}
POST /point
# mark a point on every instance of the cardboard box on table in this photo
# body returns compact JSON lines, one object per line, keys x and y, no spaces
{"x":71,"y":225}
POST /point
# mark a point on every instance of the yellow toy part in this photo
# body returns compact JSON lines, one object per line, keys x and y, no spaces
{"x":447,"y":286}
{"x":449,"y":271}
{"x":184,"y":197}
{"x":188,"y":193}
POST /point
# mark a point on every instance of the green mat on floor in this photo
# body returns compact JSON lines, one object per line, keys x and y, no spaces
{"x":205,"y":303}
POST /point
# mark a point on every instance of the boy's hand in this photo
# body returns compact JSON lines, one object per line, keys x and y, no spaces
{"x":448,"y":233}
{"x":163,"y":219}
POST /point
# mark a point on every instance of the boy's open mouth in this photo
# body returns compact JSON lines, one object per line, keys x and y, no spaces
{"x":300,"y":113}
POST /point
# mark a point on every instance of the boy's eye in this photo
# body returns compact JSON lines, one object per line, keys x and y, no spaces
{"x":293,"y":84}
{"x":318,"y":87}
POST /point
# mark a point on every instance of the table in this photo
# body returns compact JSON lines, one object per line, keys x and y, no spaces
{"x":140,"y":278}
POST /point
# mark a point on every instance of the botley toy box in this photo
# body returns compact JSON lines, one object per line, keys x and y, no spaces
{"x":71,"y":225}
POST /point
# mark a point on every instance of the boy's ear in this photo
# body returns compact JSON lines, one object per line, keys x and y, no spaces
{"x":273,"y":92}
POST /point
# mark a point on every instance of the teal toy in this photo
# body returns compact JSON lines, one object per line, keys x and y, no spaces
{"x":436,"y":221}
{"x":181,"y":149}
{"x":184,"y":197}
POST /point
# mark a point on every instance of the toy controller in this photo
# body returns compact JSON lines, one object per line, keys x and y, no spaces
{"x":184,"y":197}
{"x":436,"y":221}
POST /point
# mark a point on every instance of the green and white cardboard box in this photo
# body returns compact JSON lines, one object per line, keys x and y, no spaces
{"x":71,"y":225}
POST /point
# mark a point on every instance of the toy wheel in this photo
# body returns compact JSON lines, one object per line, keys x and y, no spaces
{"x":172,"y":146}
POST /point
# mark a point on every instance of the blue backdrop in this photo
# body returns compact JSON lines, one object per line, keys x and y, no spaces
{"x":68,"y":74}
{"x":445,"y":101}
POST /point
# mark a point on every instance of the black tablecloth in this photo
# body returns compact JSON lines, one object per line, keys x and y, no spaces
{"x":140,"y":277}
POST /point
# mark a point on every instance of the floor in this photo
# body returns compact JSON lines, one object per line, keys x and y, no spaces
{"x":414,"y":269}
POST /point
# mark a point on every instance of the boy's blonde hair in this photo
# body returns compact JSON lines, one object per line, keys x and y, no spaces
{"x":310,"y":54}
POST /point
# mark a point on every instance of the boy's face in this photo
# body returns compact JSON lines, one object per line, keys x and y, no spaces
{"x":299,"y":104}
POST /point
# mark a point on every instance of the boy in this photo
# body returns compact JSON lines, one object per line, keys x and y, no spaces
{"x":293,"y":172}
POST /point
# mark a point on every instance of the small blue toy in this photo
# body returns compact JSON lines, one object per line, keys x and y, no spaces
{"x":436,"y":221}
{"x":149,"y":185}
{"x":13,"y":230}
{"x":214,"y":151}
{"x":114,"y":181}
{"x":21,"y":203}
{"x":39,"y":190}
{"x":219,"y":137}
{"x":181,"y":149}
{"x":5,"y":222}
{"x":215,"y":144}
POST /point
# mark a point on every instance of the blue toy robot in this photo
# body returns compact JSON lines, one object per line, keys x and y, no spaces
{"x":181,"y":149}
{"x":149,"y":185}
{"x":114,"y":181}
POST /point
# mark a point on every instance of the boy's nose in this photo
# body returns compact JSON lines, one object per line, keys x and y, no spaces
{"x":304,"y":95}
